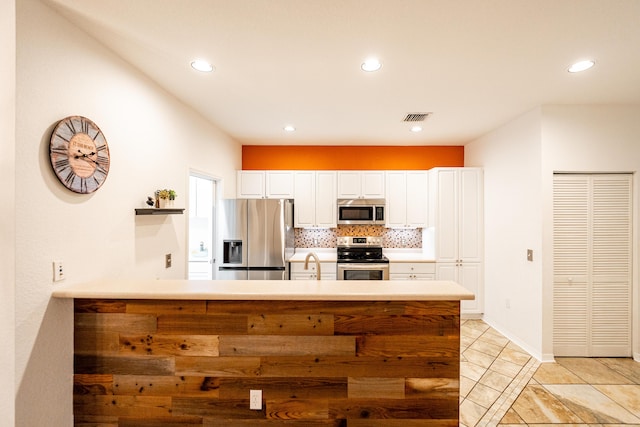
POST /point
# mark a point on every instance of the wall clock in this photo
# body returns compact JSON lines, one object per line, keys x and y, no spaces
{"x":79,"y":154}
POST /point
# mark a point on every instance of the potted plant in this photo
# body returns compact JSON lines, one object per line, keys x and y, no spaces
{"x":165,"y":198}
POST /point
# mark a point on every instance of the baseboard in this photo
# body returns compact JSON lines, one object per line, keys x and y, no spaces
{"x":472,"y":316}
{"x":636,"y":357}
{"x":534,"y":353}
{"x":548,"y":358}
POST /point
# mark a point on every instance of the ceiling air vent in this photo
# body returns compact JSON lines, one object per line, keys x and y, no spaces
{"x":416,"y":117}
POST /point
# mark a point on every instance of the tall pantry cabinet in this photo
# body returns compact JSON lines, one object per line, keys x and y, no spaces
{"x":457,"y":218}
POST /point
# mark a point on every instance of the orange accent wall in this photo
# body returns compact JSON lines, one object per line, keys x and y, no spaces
{"x":325,"y":157}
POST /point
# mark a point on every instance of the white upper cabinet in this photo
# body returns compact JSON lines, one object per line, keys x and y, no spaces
{"x":361,"y":185}
{"x":250,"y":184}
{"x":407,"y":198}
{"x":315,"y":199}
{"x":264,"y":185}
{"x":279,"y":185}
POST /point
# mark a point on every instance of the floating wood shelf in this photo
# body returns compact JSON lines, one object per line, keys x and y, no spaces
{"x":158,"y":211}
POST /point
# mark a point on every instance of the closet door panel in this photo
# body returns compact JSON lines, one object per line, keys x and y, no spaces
{"x":571,"y":265}
{"x":611,"y":266}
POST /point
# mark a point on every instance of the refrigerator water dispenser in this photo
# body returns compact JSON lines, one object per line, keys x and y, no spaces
{"x":232,"y":251}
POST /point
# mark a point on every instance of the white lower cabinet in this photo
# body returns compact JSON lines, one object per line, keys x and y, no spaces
{"x":468,"y":275}
{"x":412,"y":271}
{"x":328,"y":271}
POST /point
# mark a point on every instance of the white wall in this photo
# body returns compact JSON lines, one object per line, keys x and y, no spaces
{"x":154,"y":140}
{"x":519,"y":160}
{"x":587,"y":139}
{"x":7,"y":218}
{"x":511,"y":160}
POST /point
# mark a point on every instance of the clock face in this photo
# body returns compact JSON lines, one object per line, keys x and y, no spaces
{"x":79,"y":154}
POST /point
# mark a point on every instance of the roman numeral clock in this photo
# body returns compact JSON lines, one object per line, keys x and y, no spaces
{"x":79,"y":154}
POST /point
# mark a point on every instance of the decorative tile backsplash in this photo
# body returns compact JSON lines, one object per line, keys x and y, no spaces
{"x":327,"y":237}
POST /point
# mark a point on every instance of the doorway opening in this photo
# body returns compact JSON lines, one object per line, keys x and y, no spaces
{"x":202,"y":226}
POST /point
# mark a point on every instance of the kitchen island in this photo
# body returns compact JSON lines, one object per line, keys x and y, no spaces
{"x":323,"y":353}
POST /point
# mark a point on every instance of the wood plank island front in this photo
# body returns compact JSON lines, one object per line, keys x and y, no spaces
{"x":330,"y":353}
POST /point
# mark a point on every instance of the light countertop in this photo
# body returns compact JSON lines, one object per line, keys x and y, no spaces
{"x":247,"y":290}
{"x":394,"y":255}
{"x":324,"y":254}
{"x":399,"y":255}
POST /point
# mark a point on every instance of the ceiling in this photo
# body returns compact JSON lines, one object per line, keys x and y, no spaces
{"x":474,"y":64}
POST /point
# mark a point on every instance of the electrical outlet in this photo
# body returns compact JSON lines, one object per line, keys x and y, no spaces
{"x":507,"y":303}
{"x":58,"y":271}
{"x":167,"y":261}
{"x":255,"y":399}
{"x":529,"y":254}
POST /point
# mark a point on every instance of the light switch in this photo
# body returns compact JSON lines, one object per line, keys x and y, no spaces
{"x":529,"y":254}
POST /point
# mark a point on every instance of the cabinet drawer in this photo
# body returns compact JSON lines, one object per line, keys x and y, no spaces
{"x":406,"y":276}
{"x":325,"y":267}
{"x":412,"y":268}
{"x":311,"y":275}
{"x":303,"y":276}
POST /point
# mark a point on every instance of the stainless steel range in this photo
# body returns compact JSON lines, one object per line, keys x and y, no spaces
{"x":361,"y":258}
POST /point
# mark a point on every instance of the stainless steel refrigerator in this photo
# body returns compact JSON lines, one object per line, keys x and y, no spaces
{"x":257,"y":239}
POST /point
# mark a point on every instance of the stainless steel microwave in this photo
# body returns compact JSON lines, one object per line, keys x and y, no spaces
{"x":361,"y":211}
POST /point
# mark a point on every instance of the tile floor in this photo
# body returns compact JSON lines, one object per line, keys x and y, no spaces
{"x":502,"y":385}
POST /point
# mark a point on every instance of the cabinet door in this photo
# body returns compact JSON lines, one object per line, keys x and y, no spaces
{"x":279,"y":185}
{"x":446,"y":212}
{"x":417,"y":198}
{"x":349,"y":185}
{"x":250,"y":184}
{"x":470,"y":215}
{"x":325,"y":199}
{"x":372,"y":185}
{"x":470,"y":276}
{"x":447,"y":271}
{"x":396,"y":199}
{"x":304,"y":198}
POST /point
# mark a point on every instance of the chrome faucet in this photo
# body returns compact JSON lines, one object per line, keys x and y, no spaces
{"x":306,"y":263}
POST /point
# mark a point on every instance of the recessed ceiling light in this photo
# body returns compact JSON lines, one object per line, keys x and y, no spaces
{"x":289,"y":128}
{"x":416,"y":129}
{"x":371,"y":64}
{"x":201,"y":65}
{"x":581,"y":66}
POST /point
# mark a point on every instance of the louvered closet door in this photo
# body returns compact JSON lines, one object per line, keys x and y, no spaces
{"x":592,"y":265}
